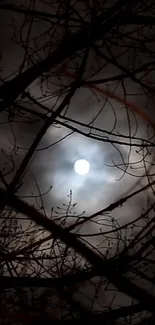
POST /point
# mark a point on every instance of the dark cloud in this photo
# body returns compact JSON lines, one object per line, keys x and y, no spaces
{"x":54,"y":166}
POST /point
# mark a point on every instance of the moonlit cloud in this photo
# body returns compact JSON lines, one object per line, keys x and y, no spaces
{"x":54,"y":166}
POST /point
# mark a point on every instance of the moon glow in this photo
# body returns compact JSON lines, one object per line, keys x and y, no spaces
{"x":82,"y":166}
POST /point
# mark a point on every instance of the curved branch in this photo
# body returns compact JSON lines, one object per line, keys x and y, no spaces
{"x":106,"y":267}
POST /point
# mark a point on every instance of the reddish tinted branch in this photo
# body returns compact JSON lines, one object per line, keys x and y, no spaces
{"x":106,"y":267}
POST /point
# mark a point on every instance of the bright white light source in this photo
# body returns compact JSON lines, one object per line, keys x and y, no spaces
{"x":81,"y":166}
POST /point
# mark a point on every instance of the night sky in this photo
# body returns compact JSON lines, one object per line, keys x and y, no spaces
{"x":52,"y":164}
{"x":106,"y":124}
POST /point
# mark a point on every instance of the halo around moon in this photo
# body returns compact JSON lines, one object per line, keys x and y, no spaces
{"x":82,"y":166}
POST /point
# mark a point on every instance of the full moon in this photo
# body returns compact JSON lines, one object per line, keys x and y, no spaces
{"x":81,"y":166}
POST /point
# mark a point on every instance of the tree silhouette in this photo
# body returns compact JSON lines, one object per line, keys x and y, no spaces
{"x":83,"y":77}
